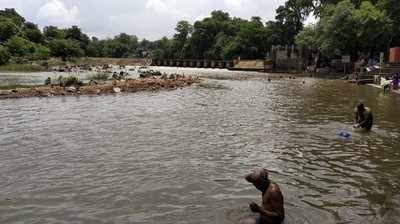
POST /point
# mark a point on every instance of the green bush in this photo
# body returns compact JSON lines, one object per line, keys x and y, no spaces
{"x":41,"y":53}
{"x":100,"y":76}
{"x":70,"y":81}
{"x":4,"y":55}
{"x":19,"y":47}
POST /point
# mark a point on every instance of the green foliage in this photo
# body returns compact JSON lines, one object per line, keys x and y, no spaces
{"x":52,"y":32}
{"x":47,"y":81}
{"x":392,"y":8}
{"x":41,"y":53}
{"x":32,"y":33}
{"x":69,"y":81}
{"x":374,"y":26}
{"x":4,"y":55}
{"x":346,"y":29}
{"x":65,"y":49}
{"x":12,"y":15}
{"x":122,"y":46}
{"x":8,"y":29}
{"x":307,"y":38}
{"x":19,"y":47}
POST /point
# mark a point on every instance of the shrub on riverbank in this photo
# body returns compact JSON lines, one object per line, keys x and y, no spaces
{"x":100,"y":77}
{"x":69,"y":81}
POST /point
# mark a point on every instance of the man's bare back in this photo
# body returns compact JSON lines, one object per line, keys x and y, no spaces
{"x":272,"y":210}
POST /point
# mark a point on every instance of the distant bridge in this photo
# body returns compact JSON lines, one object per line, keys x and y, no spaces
{"x":193,"y":63}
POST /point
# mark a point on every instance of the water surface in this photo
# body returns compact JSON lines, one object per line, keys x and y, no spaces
{"x":180,"y":156}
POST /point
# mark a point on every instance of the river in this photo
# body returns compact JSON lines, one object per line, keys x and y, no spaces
{"x":180,"y":156}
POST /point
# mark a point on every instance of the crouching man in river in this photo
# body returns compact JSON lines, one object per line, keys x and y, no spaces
{"x":363,"y":117}
{"x":272,"y":210}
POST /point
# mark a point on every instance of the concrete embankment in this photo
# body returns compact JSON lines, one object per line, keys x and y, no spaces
{"x":130,"y":85}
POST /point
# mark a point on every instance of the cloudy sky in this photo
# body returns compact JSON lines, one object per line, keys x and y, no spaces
{"x":151,"y":19}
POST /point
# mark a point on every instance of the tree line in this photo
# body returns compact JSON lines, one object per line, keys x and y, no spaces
{"x":350,"y":27}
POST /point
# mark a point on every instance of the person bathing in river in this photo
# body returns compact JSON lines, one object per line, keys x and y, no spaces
{"x":363,"y":117}
{"x":272,"y":210}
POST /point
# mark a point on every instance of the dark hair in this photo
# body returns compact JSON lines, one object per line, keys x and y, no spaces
{"x":360,"y":106}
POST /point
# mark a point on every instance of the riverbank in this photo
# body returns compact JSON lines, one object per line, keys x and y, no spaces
{"x":110,"y":87}
{"x":380,"y":87}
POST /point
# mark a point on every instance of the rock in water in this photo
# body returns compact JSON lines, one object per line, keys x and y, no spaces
{"x":71,"y":89}
{"x":117,"y":90}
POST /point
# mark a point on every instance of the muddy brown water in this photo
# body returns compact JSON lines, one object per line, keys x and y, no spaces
{"x":180,"y":156}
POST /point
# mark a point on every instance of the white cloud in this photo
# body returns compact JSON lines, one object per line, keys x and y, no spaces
{"x":163,"y":7}
{"x":234,"y":3}
{"x":56,"y":13}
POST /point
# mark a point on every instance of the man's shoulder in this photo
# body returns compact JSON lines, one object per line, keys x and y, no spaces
{"x":274,"y":188}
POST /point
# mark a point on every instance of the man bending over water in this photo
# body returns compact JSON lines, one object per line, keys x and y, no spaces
{"x":363,"y":117}
{"x":272,"y":210}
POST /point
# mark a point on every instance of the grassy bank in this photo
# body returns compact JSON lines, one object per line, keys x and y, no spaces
{"x":21,"y":68}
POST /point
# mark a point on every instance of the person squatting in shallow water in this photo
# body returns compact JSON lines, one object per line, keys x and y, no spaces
{"x":272,"y":210}
{"x":363,"y":117}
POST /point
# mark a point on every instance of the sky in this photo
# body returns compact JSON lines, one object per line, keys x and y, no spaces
{"x":150,"y":19}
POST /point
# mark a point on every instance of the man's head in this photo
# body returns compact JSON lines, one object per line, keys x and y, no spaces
{"x":360,"y":107}
{"x":259,"y":178}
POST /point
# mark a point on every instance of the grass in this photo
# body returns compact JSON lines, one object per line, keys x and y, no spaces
{"x":21,"y":68}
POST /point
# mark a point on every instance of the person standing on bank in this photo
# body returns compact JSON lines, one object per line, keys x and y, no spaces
{"x":272,"y":210}
{"x":363,"y":117}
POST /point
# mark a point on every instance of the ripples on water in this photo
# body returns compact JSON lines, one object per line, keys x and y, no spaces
{"x":180,"y":156}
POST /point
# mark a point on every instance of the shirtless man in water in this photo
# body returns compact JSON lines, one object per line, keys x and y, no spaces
{"x":363,"y":117}
{"x":272,"y":210}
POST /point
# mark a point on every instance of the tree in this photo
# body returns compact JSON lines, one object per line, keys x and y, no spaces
{"x":374,"y":27}
{"x":66,"y":49}
{"x":183,"y":29}
{"x":33,"y":33}
{"x":338,"y":30}
{"x":4,"y":55}
{"x":392,"y":8}
{"x":7,"y":29}
{"x":162,"y":48}
{"x":52,"y":32}
{"x":251,"y":42}
{"x":347,"y":29}
{"x":19,"y":47}
{"x":122,"y":46}
{"x":75,"y":33}
{"x":13,"y":16}
{"x":307,"y":38}
{"x":41,"y":53}
{"x":290,"y":18}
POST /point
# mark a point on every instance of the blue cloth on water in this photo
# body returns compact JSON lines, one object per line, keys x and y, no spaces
{"x":344,"y":134}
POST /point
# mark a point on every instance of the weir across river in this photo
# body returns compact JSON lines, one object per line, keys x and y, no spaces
{"x":192,"y":63}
